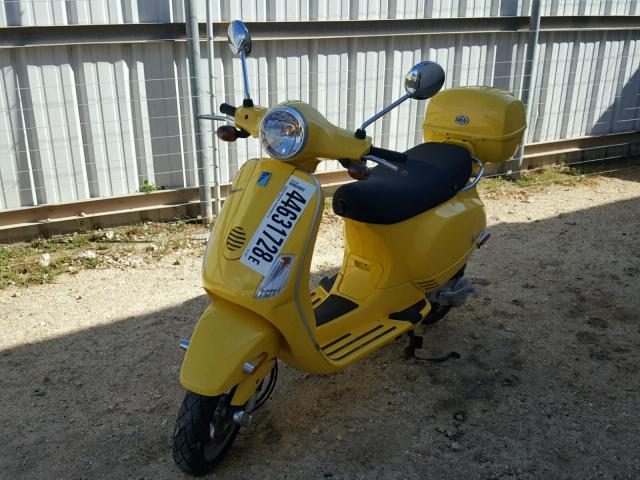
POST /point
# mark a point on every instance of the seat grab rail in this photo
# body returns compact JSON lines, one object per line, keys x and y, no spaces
{"x":478,"y":176}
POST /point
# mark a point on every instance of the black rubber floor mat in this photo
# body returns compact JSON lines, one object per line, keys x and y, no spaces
{"x":333,"y":307}
{"x":410,"y":314}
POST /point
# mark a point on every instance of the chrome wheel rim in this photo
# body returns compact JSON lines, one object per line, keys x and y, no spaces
{"x":221,"y":429}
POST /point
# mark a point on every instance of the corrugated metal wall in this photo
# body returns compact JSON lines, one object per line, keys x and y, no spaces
{"x":67,"y":12}
{"x":87,"y":121}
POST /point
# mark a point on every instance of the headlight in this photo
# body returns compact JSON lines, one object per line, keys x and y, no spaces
{"x":283,"y":132}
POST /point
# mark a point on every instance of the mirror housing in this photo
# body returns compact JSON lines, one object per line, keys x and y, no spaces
{"x":424,"y":80}
{"x":239,"y":38}
{"x":240,"y":45}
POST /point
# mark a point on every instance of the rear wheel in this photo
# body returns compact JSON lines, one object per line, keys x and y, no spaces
{"x":438,"y":312}
{"x":203,"y":433}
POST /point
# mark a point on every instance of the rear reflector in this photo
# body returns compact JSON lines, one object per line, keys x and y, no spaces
{"x":483,"y":238}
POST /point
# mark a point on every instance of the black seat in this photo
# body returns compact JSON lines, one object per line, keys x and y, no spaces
{"x":437,"y":171}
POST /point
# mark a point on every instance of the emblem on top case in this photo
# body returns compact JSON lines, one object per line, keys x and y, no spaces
{"x":462,"y":120}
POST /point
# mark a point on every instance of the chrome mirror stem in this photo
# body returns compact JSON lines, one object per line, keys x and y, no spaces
{"x":245,"y":76}
{"x":360,"y":133}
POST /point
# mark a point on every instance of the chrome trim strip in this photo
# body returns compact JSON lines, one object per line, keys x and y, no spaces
{"x":303,"y":259}
{"x":478,"y":176}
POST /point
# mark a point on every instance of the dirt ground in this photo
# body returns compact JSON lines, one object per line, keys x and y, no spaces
{"x":547,"y":386}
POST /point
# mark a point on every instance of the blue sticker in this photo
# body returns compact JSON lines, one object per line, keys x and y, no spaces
{"x":264,"y":179}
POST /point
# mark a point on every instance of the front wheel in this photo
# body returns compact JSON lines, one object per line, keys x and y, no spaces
{"x":204,"y":432}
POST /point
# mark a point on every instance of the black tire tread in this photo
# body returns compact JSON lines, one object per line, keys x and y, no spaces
{"x":191,"y":433}
{"x":436,"y":314}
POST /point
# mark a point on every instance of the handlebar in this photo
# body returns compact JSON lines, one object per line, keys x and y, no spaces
{"x":390,"y":155}
{"x":228,"y":109}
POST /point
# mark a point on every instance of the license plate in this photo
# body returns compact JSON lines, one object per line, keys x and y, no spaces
{"x":274,"y":230}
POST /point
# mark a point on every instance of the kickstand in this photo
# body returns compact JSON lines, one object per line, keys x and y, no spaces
{"x":415,"y":342}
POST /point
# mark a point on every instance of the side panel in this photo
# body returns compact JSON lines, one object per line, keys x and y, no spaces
{"x":388,"y":268}
{"x":226,"y":276}
{"x":226,"y":337}
{"x":425,"y":249}
{"x":247,"y":205}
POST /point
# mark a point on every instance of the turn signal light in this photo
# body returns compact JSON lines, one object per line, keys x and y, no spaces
{"x":274,"y":281}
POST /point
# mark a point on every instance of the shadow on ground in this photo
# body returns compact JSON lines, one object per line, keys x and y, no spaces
{"x":546,"y":387}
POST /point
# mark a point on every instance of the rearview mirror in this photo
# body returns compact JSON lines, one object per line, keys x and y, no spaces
{"x":239,"y":38}
{"x":240,"y":44}
{"x":424,"y":80}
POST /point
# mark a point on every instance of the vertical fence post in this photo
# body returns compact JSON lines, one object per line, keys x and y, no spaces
{"x":527,"y":75}
{"x":27,"y":150}
{"x":212,"y":107}
{"x":193,"y":50}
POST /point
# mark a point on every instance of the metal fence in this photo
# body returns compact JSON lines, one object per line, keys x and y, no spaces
{"x":84,"y":119}
{"x":99,"y":12}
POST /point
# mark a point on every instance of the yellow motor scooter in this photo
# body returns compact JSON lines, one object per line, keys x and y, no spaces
{"x":410,"y":224}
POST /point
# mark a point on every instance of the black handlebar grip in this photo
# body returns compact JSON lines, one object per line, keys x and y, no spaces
{"x":228,"y":109}
{"x":388,"y":155}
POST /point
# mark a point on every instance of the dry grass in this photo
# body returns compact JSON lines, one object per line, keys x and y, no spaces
{"x":42,"y":260}
{"x":532,"y":181}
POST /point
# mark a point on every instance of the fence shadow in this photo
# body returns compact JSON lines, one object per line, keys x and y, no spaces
{"x":623,"y":115}
{"x":547,"y":381}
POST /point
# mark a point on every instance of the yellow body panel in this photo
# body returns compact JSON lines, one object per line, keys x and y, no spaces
{"x":325,"y":140}
{"x":248,"y":118}
{"x":226,"y":337}
{"x":425,"y":247}
{"x":385,"y":270}
{"x":290,"y":311}
{"x":247,"y":387}
{"x":489,"y":122}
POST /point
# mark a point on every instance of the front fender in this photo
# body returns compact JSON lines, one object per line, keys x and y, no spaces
{"x":226,"y":337}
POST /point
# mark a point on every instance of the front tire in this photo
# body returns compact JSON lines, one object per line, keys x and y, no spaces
{"x":203,"y":433}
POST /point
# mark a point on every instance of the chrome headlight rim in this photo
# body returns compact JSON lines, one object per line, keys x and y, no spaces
{"x":299,"y":117}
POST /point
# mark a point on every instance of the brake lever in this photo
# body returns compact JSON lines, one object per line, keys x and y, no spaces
{"x":387,"y":164}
